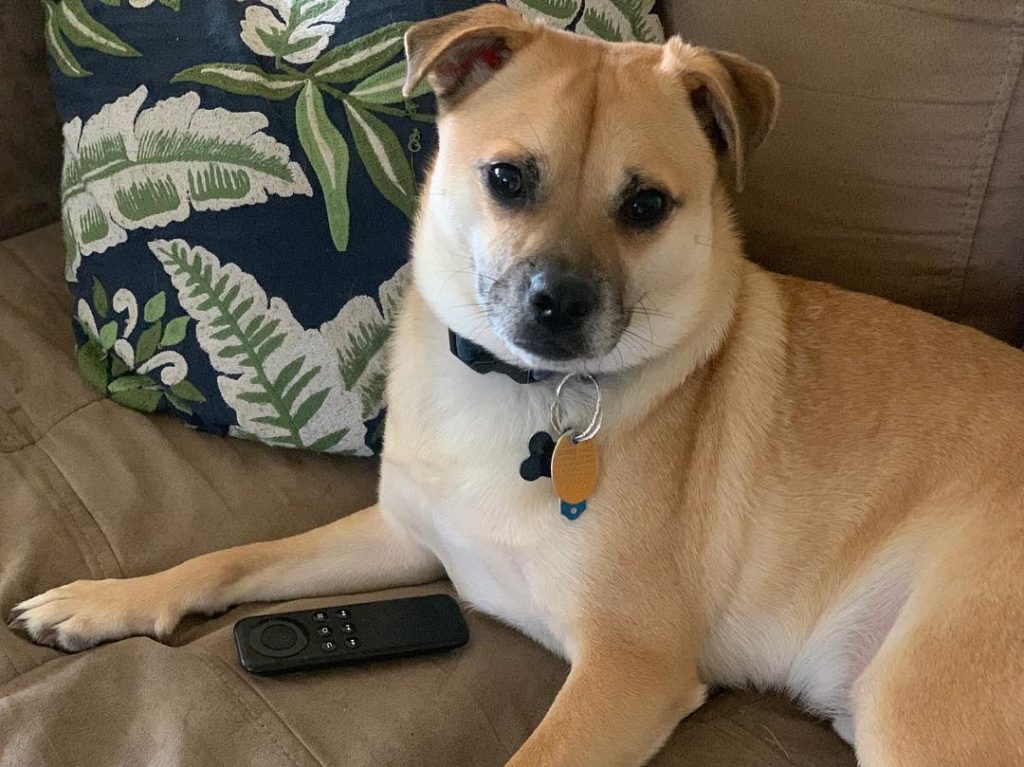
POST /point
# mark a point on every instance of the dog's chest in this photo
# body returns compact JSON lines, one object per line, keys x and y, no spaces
{"x":502,"y":540}
{"x":511,"y":581}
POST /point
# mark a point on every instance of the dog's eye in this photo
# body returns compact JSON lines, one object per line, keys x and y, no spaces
{"x":505,"y":180}
{"x":645,"y":207}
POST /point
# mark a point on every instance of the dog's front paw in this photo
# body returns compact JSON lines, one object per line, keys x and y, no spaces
{"x":84,"y":613}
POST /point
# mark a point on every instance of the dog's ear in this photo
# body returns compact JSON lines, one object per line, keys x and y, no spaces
{"x":734,"y":99}
{"x":459,"y":52}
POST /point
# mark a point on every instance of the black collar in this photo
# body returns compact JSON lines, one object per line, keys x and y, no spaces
{"x":479,"y":359}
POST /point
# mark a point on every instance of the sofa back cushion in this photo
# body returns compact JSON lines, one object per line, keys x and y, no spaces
{"x":897,"y":164}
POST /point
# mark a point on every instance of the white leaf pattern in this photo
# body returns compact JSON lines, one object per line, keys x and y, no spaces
{"x":282,"y":380}
{"x":294,"y":30}
{"x":617,"y":20}
{"x":359,"y":335}
{"x":125,"y":169}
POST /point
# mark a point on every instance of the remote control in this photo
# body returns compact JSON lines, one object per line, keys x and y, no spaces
{"x":332,"y":636}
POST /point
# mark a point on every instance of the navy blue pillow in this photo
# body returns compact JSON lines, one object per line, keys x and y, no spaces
{"x":239,"y":179}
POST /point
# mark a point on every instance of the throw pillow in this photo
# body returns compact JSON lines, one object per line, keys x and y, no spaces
{"x":238,"y":182}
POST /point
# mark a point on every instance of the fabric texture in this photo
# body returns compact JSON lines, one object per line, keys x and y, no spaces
{"x":29,"y":128}
{"x":897,"y":163}
{"x":89,"y":489}
{"x":237,"y":189}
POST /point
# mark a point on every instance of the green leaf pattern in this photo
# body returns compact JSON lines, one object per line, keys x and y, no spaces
{"x":296,"y":31}
{"x":245,"y":79}
{"x":359,"y":335}
{"x":360,"y":57}
{"x":125,"y":169}
{"x":328,"y":154}
{"x":282,"y":380}
{"x":55,"y":44}
{"x":554,"y":12}
{"x":385,"y":86}
{"x":137,"y":375}
{"x":617,"y":20}
{"x":69,"y":20}
{"x":85,"y":32}
{"x":383,"y":158}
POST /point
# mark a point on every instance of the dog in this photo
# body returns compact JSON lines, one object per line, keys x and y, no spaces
{"x":797,"y":487}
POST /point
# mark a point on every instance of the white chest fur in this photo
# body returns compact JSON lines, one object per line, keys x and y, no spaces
{"x":504,"y":567}
{"x":455,"y":439}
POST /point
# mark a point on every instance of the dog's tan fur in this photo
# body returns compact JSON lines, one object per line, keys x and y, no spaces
{"x":802,"y":488}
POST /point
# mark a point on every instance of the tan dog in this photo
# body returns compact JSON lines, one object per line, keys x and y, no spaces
{"x":801,"y":488}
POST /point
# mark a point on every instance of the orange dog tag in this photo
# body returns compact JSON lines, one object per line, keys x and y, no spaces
{"x":574,"y":472}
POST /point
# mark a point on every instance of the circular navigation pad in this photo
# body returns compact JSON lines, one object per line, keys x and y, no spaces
{"x":278,"y":638}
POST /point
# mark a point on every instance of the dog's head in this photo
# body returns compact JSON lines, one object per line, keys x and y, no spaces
{"x":569,"y":214}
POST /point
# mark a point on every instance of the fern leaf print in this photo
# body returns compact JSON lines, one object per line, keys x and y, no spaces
{"x":282,"y":380}
{"x":127,"y":169}
{"x":359,"y":336}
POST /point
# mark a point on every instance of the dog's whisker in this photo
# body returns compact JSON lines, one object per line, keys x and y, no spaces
{"x":632,"y":334}
{"x":646,"y":316}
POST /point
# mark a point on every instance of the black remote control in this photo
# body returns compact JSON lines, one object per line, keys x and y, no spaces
{"x":332,"y":636}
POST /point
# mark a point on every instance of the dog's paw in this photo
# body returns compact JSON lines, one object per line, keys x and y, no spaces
{"x":84,"y":613}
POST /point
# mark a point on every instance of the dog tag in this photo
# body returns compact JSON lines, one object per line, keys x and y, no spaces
{"x":538,"y":463}
{"x":573,"y":511}
{"x":574,"y":472}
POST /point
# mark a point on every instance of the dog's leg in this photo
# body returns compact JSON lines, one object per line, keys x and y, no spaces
{"x":617,"y":707}
{"x":361,"y":552}
{"x":944,"y":689}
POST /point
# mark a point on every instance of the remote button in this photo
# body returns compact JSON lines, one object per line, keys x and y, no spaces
{"x":347,"y":628}
{"x":319,"y":617}
{"x":328,"y":646}
{"x":278,"y":638}
{"x":342,"y":613}
{"x":352,"y":642}
{"x":324,"y":631}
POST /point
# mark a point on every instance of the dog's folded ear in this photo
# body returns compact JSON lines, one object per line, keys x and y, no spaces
{"x":459,"y":52}
{"x":734,"y":99}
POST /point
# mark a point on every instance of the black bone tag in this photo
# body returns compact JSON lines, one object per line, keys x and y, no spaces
{"x":542,"y":447}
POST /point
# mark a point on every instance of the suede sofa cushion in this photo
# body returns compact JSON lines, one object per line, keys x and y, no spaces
{"x":897,"y":164}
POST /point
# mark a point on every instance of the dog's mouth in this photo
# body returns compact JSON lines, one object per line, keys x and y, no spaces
{"x":553,"y":349}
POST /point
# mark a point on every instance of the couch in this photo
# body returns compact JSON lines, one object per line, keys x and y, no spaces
{"x":897,"y":167}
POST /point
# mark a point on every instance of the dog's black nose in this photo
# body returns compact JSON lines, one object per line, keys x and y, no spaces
{"x":560,"y":300}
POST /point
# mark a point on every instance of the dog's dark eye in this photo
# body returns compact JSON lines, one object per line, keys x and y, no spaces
{"x":645,"y":207}
{"x":505,"y":180}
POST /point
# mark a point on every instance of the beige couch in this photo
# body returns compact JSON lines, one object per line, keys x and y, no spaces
{"x":897,"y":168}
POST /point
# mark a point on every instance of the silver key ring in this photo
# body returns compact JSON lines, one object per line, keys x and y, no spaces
{"x":557,"y":415}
